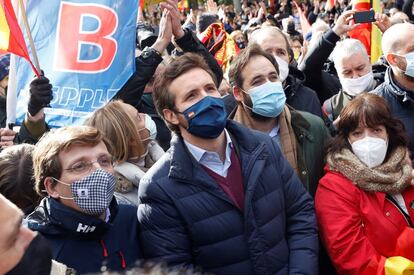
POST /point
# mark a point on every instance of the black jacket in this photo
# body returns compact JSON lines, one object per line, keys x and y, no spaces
{"x":326,"y":85}
{"x":401,"y":103}
{"x":299,"y":96}
{"x":3,"y":113}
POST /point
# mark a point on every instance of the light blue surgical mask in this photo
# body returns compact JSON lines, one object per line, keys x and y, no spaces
{"x":409,"y":58}
{"x":268,"y":99}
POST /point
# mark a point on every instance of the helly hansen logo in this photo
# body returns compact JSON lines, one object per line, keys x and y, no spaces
{"x":85,"y":228}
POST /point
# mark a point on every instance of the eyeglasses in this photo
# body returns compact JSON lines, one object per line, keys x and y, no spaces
{"x":83,"y":166}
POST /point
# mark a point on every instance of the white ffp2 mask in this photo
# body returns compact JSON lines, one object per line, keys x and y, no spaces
{"x":355,"y":86}
{"x":370,"y":150}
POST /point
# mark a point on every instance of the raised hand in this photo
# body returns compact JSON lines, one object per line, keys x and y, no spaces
{"x":212,"y":6}
{"x":343,"y":24}
{"x":382,"y":21}
{"x":40,"y":95}
{"x":165,"y":32}
{"x":174,"y":14}
{"x":6,"y":137}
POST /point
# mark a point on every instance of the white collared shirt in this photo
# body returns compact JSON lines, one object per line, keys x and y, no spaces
{"x":274,"y":134}
{"x":212,"y":159}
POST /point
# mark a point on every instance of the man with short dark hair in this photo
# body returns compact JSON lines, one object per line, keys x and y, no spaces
{"x":272,"y":40}
{"x":254,"y":76}
{"x":222,"y":198}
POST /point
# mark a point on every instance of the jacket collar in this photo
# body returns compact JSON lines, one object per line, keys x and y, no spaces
{"x":300,"y":125}
{"x":52,"y":217}
{"x":250,"y":151}
{"x":183,"y":165}
{"x":397,"y":90}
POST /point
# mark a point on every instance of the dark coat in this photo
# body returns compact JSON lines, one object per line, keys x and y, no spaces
{"x":312,"y":136}
{"x":299,"y":96}
{"x":3,"y":113}
{"x":86,"y":243}
{"x":325,"y":84}
{"x":187,"y":219}
{"x":401,"y":103}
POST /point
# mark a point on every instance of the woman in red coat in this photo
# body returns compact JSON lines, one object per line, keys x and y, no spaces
{"x":366,"y":200}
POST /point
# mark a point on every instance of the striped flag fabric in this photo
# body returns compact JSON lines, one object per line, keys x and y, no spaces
{"x":220,"y":44}
{"x":11,"y":37}
{"x":330,"y":4}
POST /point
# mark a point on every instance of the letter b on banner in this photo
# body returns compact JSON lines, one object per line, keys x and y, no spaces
{"x":84,"y":41}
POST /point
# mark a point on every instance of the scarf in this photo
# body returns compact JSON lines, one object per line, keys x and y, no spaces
{"x":391,"y":177}
{"x":286,"y":134}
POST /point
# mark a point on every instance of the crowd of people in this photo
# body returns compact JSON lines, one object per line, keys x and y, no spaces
{"x":242,"y":144}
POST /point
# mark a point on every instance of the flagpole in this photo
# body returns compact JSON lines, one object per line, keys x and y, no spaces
{"x":29,"y":34}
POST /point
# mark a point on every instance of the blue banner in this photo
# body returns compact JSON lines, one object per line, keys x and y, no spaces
{"x":85,"y":48}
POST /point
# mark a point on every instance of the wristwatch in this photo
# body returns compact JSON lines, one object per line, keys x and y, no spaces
{"x":148,"y":51}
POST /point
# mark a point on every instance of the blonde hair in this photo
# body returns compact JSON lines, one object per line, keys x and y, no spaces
{"x":119,"y":128}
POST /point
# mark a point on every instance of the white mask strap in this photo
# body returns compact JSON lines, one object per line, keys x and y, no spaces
{"x":64,"y":183}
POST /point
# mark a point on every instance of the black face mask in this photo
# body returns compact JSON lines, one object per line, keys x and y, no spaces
{"x":37,"y":259}
{"x":241,"y":45}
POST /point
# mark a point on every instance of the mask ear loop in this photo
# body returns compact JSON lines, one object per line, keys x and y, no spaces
{"x":64,"y":183}
{"x":399,"y":55}
{"x":242,"y":102}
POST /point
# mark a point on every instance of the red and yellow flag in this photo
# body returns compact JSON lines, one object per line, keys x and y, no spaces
{"x":220,"y":44}
{"x":11,"y":37}
{"x":368,"y":33}
{"x":183,"y":5}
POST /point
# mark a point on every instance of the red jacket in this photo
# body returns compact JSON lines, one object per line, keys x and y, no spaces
{"x":359,"y":229}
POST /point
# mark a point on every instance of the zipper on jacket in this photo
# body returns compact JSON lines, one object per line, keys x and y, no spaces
{"x":405,"y":215}
{"x":123,"y":263}
{"x":105,"y":251}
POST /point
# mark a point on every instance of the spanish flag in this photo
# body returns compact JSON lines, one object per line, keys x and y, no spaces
{"x":368,"y":33}
{"x":183,"y":5}
{"x":11,"y":37}
{"x":220,"y":45}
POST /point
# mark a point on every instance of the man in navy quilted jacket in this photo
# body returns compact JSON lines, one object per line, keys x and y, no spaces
{"x":223,"y":198}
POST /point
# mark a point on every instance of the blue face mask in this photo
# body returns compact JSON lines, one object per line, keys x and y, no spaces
{"x":206,"y":118}
{"x":268,"y":99}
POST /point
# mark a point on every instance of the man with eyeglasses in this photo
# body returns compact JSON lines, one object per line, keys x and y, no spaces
{"x":80,"y":217}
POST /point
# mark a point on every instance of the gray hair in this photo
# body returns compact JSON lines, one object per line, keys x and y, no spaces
{"x":268,"y":31}
{"x":346,"y":48}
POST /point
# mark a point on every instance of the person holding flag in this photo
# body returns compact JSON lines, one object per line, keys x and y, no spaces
{"x":40,"y":89}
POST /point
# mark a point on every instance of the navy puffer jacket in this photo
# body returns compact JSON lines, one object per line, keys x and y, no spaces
{"x":186,"y":218}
